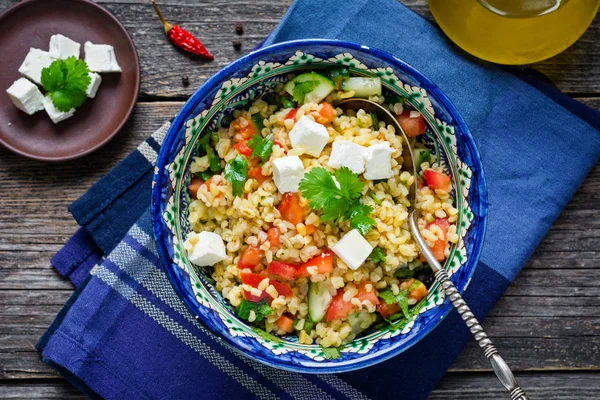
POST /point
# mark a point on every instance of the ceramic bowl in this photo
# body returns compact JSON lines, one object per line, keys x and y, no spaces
{"x":249,"y":78}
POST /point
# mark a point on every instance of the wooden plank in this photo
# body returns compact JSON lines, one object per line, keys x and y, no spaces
{"x":213,"y":21}
{"x":459,"y":386}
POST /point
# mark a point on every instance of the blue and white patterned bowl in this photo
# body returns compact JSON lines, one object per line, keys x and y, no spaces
{"x":235,"y":87}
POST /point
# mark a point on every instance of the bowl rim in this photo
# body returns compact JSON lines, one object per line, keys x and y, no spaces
{"x":254,"y":56}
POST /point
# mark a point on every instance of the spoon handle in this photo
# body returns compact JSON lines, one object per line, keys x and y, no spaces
{"x":500,"y":366}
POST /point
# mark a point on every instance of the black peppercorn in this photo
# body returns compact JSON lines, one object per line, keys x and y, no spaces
{"x":236,"y":44}
{"x":239,"y":29}
{"x":185,"y":80}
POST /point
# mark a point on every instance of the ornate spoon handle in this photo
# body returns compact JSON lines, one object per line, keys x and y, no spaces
{"x":500,"y":366}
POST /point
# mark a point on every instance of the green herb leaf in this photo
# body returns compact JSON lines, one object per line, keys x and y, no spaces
{"x":65,"y":82}
{"x":236,"y":172}
{"x":261,"y":147}
{"x":404,"y":273}
{"x":205,"y":149}
{"x":331,"y":353}
{"x":337,"y":203}
{"x":395,"y":99}
{"x":401,"y":298}
{"x":374,"y":197}
{"x":301,"y":89}
{"x":257,"y":120}
{"x":375,"y":120}
{"x":261,"y":309}
{"x":287,"y":103}
{"x":377,"y":255}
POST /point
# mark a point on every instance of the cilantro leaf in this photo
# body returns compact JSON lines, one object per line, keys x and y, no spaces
{"x":65,"y":82}
{"x":349,"y":182}
{"x":375,"y":120}
{"x":377,"y":255}
{"x":401,"y":299}
{"x":374,"y":197}
{"x":302,"y":88}
{"x":261,"y":310}
{"x":257,"y":120}
{"x":236,"y":172}
{"x":404,"y":273}
{"x":331,"y":353}
{"x":261,"y":147}
{"x":337,"y":201}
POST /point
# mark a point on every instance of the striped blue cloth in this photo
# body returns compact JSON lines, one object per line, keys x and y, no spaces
{"x":125,"y":334}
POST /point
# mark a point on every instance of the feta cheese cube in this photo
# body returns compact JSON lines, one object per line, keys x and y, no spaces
{"x":35,"y":61}
{"x":26,"y":96}
{"x":353,"y":249}
{"x":309,"y":136}
{"x":345,"y":153}
{"x":62,"y":47}
{"x":92,"y":88}
{"x":56,"y":115}
{"x":287,"y":173}
{"x":379,"y":161}
{"x":207,"y":248}
{"x":101,"y":57}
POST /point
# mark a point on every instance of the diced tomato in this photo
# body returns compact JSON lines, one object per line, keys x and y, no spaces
{"x":438,"y":250}
{"x":254,"y":280}
{"x":437,"y":180}
{"x":310,"y":229}
{"x":283,"y":270}
{"x":418,"y":293}
{"x":413,"y":127}
{"x":273,"y":236}
{"x":387,"y":310}
{"x":290,"y":208}
{"x":194,"y":186}
{"x":323,"y":262}
{"x":442,"y":223}
{"x":363,"y":294}
{"x":291,"y":114}
{"x":256,"y":173}
{"x":250,"y":258}
{"x":282,"y":288}
{"x":338,"y":308}
{"x":247,"y":130}
{"x":285,"y":323}
{"x":327,"y":112}
{"x":242,"y":148}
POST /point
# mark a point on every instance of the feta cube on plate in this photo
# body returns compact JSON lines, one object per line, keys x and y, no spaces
{"x":92,"y":88}
{"x":35,"y":61}
{"x":56,"y":115}
{"x":309,"y":136}
{"x":353,"y":249}
{"x":101,"y":57}
{"x":205,"y":248}
{"x":379,"y":161}
{"x":26,"y":96}
{"x":62,"y":47}
{"x":345,"y":153}
{"x":287,"y":173}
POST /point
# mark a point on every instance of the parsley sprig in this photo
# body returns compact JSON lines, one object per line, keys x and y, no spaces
{"x":65,"y":82}
{"x":337,"y":202}
{"x":236,"y":172}
{"x":261,"y":310}
{"x":214,"y":161}
{"x":261,"y":147}
{"x":401,"y":298}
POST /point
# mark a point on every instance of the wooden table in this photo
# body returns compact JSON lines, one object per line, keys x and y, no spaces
{"x":547,"y":325}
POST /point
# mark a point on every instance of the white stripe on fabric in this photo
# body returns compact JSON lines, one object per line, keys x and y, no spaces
{"x":157,"y":282}
{"x":182,"y":334}
{"x":341,"y":386}
{"x":148,"y":152}
{"x":160,"y":133}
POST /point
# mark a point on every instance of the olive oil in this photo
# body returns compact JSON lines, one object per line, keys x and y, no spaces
{"x":514,"y":31}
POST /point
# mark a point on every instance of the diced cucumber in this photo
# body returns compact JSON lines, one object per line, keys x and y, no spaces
{"x":362,"y":87}
{"x":309,"y":87}
{"x":319,"y":299}
{"x":359,"y":321}
{"x":337,"y":75}
{"x":421,"y":156}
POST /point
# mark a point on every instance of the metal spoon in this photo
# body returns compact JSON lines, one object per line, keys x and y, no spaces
{"x":500,"y":366}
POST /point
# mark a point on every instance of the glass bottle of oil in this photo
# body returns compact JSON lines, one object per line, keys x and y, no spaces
{"x":514,"y":31}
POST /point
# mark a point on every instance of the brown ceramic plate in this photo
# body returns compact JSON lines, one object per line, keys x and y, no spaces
{"x":30,"y":24}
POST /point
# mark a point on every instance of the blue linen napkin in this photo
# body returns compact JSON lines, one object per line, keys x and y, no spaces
{"x":125,"y":333}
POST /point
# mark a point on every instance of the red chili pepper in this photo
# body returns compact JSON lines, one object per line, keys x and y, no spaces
{"x":182,"y":38}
